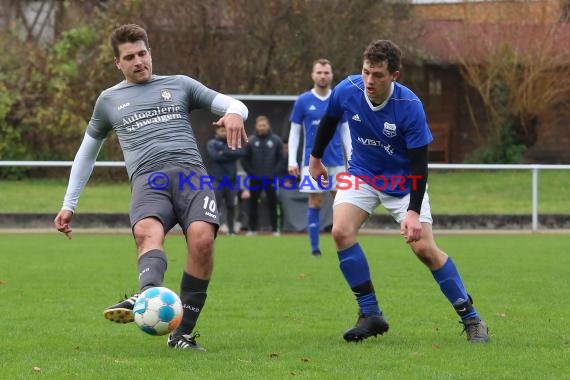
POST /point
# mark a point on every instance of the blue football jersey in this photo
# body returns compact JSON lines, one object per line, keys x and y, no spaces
{"x":381,"y":135}
{"x":308,"y":111}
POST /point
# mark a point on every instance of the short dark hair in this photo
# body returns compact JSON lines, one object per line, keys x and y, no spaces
{"x":322,"y":61}
{"x":383,"y":51}
{"x":127,"y":33}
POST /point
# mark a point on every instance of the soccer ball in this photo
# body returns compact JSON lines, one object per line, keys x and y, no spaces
{"x":158,"y":311}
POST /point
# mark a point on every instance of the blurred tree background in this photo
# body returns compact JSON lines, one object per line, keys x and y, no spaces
{"x":48,"y":87}
{"x":521,"y":73}
{"x":56,"y":60}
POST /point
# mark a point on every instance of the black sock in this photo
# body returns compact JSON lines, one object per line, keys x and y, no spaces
{"x":193,"y":297}
{"x":151,"y":265}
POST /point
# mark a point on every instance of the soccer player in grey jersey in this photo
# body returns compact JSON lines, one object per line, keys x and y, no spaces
{"x":151,"y":116}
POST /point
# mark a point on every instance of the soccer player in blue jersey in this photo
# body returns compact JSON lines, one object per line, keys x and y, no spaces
{"x":306,"y":114}
{"x":150,"y":115}
{"x":389,"y":166}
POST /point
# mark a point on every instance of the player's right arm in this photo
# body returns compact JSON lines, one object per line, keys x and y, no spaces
{"x":293,"y":141}
{"x":80,"y":172}
{"x":83,"y":163}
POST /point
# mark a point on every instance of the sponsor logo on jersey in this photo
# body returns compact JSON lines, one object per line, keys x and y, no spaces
{"x":166,"y":95}
{"x":312,"y":108}
{"x":372,"y":142}
{"x":123,"y":106}
{"x":389,"y":130}
{"x":161,"y":114}
{"x":356,"y":118}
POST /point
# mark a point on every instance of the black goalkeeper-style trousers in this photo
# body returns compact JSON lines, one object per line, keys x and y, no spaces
{"x":257,"y":186}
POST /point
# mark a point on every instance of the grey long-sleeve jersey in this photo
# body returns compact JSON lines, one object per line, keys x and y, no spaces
{"x":152,"y":121}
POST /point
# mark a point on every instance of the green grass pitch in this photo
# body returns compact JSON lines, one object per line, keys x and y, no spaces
{"x":275,"y":312}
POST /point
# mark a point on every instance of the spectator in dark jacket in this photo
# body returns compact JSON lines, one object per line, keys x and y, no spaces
{"x":261,"y":160}
{"x":223,"y":167}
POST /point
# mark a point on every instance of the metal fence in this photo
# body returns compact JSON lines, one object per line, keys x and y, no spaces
{"x":533,"y":168}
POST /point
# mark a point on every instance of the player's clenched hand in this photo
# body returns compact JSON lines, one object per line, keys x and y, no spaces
{"x":317,"y":169}
{"x":235,"y":129}
{"x":62,"y":220}
{"x":411,"y":228}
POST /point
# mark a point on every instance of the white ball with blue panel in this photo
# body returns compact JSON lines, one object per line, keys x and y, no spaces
{"x":158,"y":311}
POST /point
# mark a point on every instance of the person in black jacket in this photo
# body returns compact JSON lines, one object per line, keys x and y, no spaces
{"x":262,"y":157}
{"x":223,"y":167}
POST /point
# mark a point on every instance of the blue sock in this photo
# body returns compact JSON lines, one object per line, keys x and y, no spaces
{"x":314,"y":227}
{"x":355,"y":269}
{"x":452,"y":286}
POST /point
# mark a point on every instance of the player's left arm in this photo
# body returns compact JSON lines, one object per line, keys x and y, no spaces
{"x":417,"y":137}
{"x":418,"y":176}
{"x":233,"y":111}
{"x":411,"y":227}
{"x":80,"y":172}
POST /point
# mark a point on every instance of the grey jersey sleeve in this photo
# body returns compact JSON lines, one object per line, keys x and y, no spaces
{"x":218,"y":104}
{"x":99,"y":125}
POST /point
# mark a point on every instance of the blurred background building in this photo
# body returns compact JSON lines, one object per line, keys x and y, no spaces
{"x":494,"y":76}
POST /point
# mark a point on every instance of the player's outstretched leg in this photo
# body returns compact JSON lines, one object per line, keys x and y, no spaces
{"x":193,"y":294}
{"x":474,"y":327}
{"x":122,"y":312}
{"x":151,"y":267}
{"x":452,"y":287}
{"x":370,"y":322}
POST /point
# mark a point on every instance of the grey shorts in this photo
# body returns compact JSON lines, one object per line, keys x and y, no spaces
{"x":173,"y":196}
